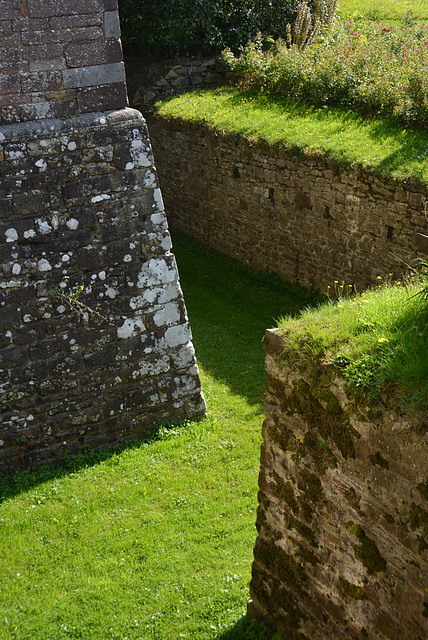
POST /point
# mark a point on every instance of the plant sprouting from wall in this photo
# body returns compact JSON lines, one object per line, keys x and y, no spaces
{"x":71,"y":296}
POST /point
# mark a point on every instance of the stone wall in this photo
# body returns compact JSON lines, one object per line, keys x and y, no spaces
{"x":95,"y":346}
{"x":81,"y":215}
{"x":294,"y":215}
{"x":193,"y":74}
{"x":342,"y":546}
{"x":59,"y":58}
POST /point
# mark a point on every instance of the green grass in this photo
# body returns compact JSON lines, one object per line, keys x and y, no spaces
{"x":385,"y":9}
{"x":345,"y":137}
{"x":155,"y":541}
{"x":378,"y":339}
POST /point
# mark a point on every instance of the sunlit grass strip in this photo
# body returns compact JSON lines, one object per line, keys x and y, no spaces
{"x":378,"y":339}
{"x":345,"y":137}
{"x":385,"y":9}
{"x":155,"y":542}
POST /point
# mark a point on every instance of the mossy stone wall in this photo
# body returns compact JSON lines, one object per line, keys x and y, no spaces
{"x":294,"y":215}
{"x":342,"y":545}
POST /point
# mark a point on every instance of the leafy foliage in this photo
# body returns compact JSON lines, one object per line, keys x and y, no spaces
{"x":378,"y":70}
{"x":182,"y":26}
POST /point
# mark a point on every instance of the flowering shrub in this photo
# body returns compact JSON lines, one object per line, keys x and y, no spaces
{"x":375,"y":69}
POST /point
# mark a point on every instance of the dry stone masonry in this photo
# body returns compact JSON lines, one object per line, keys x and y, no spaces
{"x":95,"y":346}
{"x":280,"y":211}
{"x":342,"y":546}
{"x":182,"y":77}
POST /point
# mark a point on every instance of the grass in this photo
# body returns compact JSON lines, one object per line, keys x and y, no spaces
{"x":345,"y":137}
{"x":385,"y":9}
{"x":378,"y":339}
{"x":155,"y":541}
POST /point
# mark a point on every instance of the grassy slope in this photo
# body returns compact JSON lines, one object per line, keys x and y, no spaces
{"x":157,"y":542}
{"x":344,"y":136}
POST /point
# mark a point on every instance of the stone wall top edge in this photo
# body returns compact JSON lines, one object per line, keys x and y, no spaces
{"x":54,"y":126}
{"x":282,"y":150}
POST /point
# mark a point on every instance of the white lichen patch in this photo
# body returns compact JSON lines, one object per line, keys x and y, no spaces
{"x":169,"y":315}
{"x":130,"y":328}
{"x":30,"y":233}
{"x":150,"y":181}
{"x":111,"y":292}
{"x":11,"y":235}
{"x":127,"y":258}
{"x":43,"y":226}
{"x":129,"y":166}
{"x":71,"y":146}
{"x":180,"y":334}
{"x":100,"y":198}
{"x":102,"y":275}
{"x":157,"y":195}
{"x":16,"y":269}
{"x":152,"y":368}
{"x":41,"y":164}
{"x":156,"y":272}
{"x":72,"y":224}
{"x":43,"y":265}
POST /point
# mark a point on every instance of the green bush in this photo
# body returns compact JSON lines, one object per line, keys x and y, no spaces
{"x":189,"y":26}
{"x":375,"y":69}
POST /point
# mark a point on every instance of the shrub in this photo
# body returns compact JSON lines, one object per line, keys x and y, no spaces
{"x":189,"y":26}
{"x":376,"y":70}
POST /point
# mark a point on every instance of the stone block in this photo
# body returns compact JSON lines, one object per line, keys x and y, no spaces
{"x":93,"y":76}
{"x":87,"y":54}
{"x":102,"y":98}
{"x":111,"y":24}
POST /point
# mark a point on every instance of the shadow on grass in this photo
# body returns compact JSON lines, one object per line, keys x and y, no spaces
{"x":230,"y":307}
{"x":18,"y":482}
{"x":245,"y":629}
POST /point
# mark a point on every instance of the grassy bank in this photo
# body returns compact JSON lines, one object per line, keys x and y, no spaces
{"x":155,"y":542}
{"x":377,"y":339}
{"x":345,"y":137}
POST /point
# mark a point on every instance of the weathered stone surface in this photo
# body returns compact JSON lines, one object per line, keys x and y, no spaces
{"x":182,"y":77}
{"x":120,"y":360}
{"x":298,"y":217}
{"x":80,"y":39}
{"x":342,"y":548}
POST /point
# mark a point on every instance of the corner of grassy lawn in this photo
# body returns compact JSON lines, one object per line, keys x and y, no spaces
{"x":378,"y":340}
{"x":154,"y":541}
{"x":347,"y":139}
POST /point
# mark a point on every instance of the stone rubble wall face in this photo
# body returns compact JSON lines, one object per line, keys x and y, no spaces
{"x":59,"y":58}
{"x":183,"y":77}
{"x":295,"y":216}
{"x":342,"y":546}
{"x":81,"y":211}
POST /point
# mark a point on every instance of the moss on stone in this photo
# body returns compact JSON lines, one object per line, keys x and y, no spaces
{"x":378,"y":459}
{"x":282,"y":436}
{"x":367,"y":552}
{"x":418,"y":518}
{"x":311,"y":485}
{"x":422,"y":487}
{"x":352,"y":590}
{"x":275,"y":560}
{"x":323,"y":459}
{"x":425,"y":610}
{"x":388,"y":518}
{"x":284,"y":491}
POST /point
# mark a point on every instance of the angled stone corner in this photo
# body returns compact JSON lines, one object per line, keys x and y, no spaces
{"x":342,"y":544}
{"x":95,"y":344}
